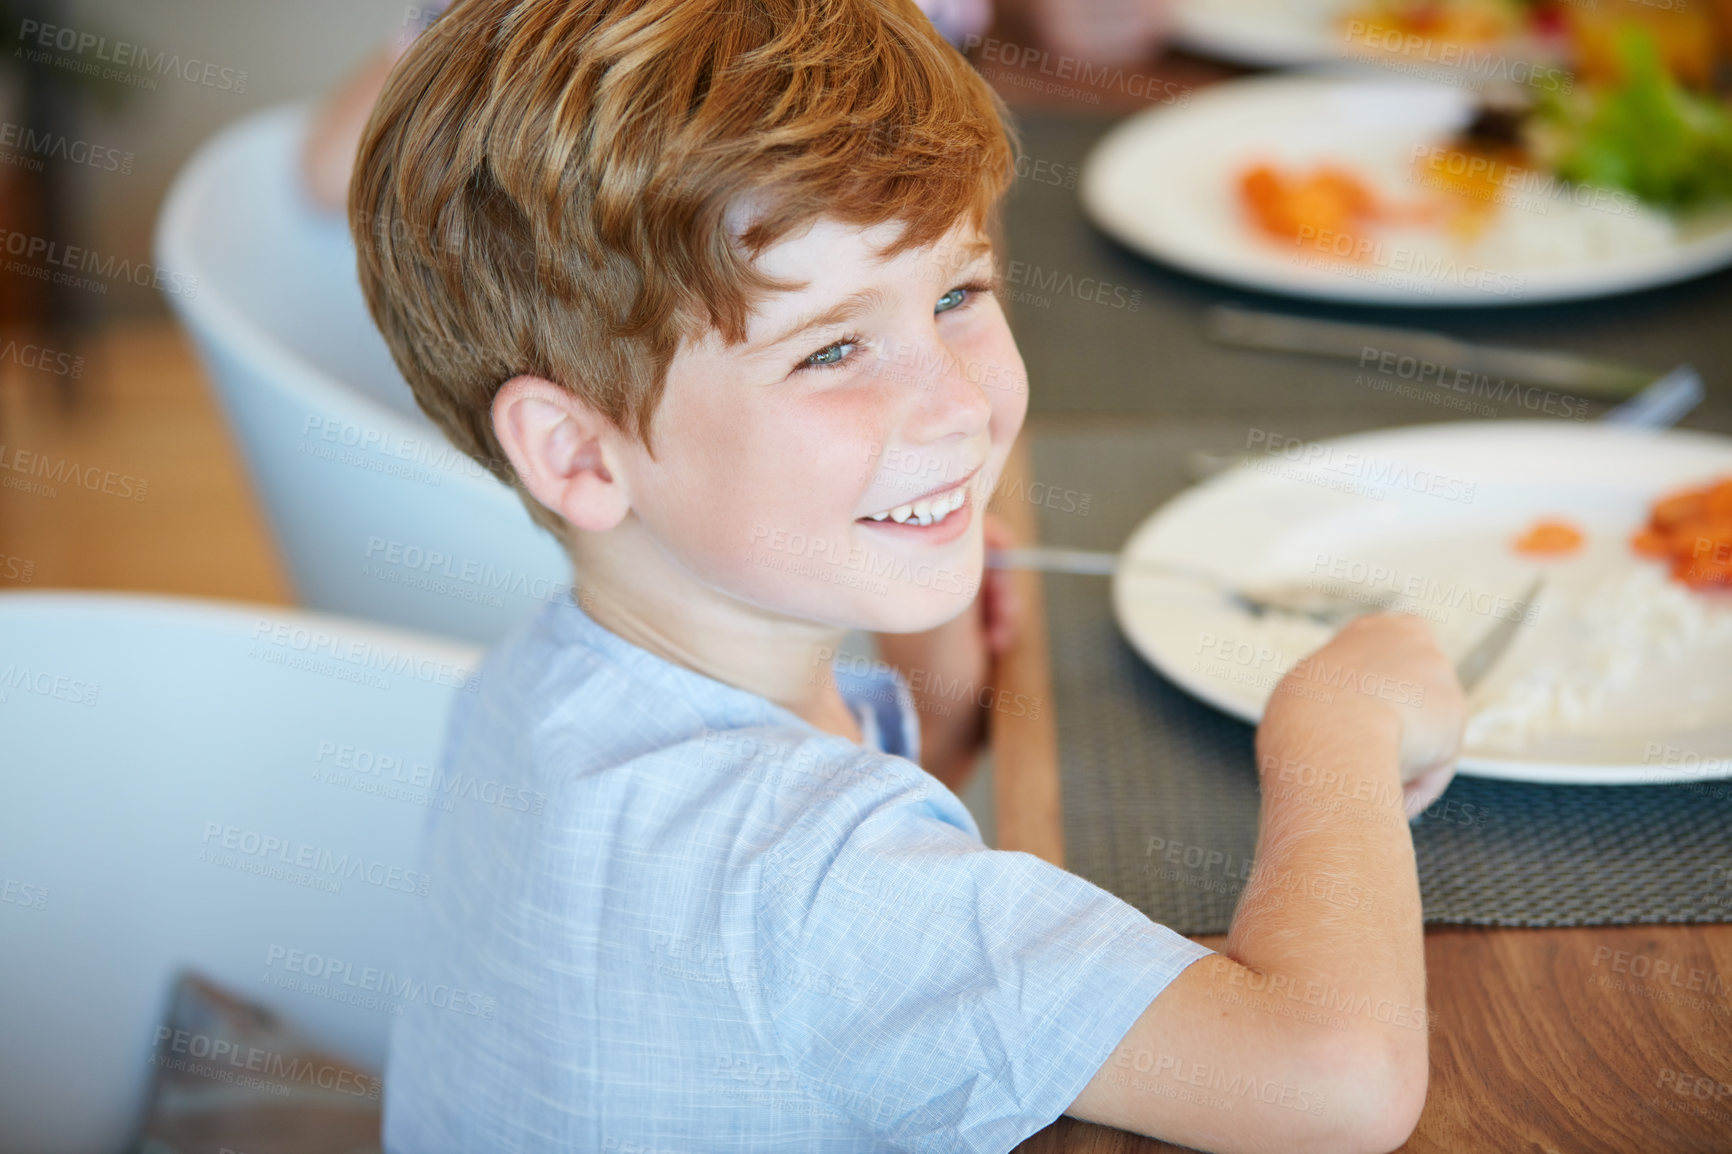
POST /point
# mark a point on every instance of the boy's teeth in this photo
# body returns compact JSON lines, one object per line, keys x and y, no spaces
{"x":927,"y":510}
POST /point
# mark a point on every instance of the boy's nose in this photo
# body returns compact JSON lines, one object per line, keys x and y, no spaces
{"x":949,"y":398}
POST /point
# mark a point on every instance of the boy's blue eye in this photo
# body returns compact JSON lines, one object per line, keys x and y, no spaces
{"x":831,"y":355}
{"x":950,"y":300}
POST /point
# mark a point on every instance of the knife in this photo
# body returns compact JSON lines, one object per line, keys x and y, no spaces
{"x":1597,"y":376}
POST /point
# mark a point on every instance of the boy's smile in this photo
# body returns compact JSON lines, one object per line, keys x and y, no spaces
{"x":929,"y":509}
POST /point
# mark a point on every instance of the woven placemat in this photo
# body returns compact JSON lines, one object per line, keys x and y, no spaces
{"x":1160,"y":791}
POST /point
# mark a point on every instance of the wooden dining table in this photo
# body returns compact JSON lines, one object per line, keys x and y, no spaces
{"x":1612,"y":1039}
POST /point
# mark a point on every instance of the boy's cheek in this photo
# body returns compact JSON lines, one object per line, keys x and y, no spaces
{"x":1001,"y":374}
{"x":789,"y":485}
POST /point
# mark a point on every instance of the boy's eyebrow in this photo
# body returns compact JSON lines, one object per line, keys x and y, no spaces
{"x":844,"y":309}
{"x":867,"y":299}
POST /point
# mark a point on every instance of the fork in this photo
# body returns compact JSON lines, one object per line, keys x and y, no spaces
{"x":1299,"y":601}
{"x":1293,"y":600}
{"x":1478,"y":661}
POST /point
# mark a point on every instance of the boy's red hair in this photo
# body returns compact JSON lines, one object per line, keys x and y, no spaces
{"x":547,"y":186}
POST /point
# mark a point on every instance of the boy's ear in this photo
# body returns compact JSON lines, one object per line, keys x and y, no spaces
{"x":563,"y":451}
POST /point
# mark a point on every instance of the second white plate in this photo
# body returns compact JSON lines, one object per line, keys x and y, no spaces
{"x":1166,"y":183}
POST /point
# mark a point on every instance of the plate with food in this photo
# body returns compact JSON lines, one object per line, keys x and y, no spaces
{"x":1461,"y":36}
{"x":1618,"y":669}
{"x":1381,"y":190}
{"x":1285,"y":33}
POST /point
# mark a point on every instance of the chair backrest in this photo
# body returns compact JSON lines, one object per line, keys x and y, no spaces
{"x":377,"y":514}
{"x":187,"y":785}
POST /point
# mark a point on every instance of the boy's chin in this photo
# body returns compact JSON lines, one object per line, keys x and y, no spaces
{"x":917,"y":610}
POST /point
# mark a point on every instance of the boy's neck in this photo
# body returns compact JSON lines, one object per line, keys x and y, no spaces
{"x":632,"y":589}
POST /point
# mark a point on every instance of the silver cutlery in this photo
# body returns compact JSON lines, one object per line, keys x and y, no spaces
{"x":1478,"y":661}
{"x":1663,"y":403}
{"x":1277,"y":332}
{"x":1302,"y":600}
{"x":1295,"y":600}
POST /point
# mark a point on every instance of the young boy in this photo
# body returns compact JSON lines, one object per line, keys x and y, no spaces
{"x":701,"y":278}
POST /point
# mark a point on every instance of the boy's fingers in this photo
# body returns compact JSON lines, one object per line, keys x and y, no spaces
{"x":996,"y":532}
{"x":1000,"y":606}
{"x":1003,"y":614}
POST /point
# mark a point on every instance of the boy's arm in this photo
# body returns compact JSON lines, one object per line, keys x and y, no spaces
{"x":1310,"y":1032}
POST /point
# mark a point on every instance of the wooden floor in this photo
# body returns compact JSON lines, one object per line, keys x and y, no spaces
{"x":142,"y":410}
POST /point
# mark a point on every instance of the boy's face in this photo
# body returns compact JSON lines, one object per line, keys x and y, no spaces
{"x":786,"y":466}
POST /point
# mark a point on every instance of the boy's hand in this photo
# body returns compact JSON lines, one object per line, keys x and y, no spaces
{"x":1000,"y":607}
{"x":1384,"y":662}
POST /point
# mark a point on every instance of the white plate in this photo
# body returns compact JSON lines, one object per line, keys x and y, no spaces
{"x":1166,"y":183}
{"x":1435,"y":510}
{"x":1260,"y":33}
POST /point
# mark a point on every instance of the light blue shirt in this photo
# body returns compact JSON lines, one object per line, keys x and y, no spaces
{"x":689,"y":921}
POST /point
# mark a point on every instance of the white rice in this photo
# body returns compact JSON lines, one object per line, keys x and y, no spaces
{"x":1620,"y":629}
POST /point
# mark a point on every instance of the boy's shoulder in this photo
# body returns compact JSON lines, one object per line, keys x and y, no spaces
{"x":576,"y":700}
{"x":684,"y":786}
{"x":562,"y":677}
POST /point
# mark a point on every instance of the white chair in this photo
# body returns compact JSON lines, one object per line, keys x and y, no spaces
{"x":149,"y":747}
{"x":376,"y":513}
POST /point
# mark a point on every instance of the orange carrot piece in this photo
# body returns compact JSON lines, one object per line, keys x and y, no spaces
{"x":1692,"y":529}
{"x":1550,"y":539}
{"x":1717,"y":503}
{"x":1674,"y":510}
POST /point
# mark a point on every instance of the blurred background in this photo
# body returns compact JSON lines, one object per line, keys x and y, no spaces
{"x":265,"y":54}
{"x":105,"y":153}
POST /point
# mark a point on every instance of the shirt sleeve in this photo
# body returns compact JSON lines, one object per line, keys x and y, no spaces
{"x":944,"y":995}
